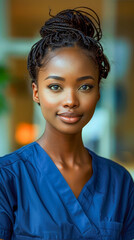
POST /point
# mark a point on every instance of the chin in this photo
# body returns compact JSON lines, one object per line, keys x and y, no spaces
{"x":70,"y":132}
{"x":71,"y":129}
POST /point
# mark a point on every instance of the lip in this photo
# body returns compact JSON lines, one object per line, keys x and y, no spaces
{"x":69,"y":117}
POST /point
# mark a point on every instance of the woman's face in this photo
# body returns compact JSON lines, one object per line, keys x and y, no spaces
{"x":68,"y":90}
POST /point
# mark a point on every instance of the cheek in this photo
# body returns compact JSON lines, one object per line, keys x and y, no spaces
{"x":48,"y":100}
{"x":90,"y":103}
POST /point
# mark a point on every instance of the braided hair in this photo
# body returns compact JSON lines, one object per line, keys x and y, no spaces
{"x":70,"y":27}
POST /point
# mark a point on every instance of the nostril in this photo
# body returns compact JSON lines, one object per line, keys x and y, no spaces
{"x":71,"y":103}
{"x":70,"y":106}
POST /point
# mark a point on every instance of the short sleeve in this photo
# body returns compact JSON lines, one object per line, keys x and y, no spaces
{"x":6,"y":205}
{"x":128,"y":229}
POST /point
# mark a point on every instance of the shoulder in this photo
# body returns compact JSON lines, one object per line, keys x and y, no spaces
{"x":20,"y":155}
{"x":109,"y":165}
{"x":111,"y":173}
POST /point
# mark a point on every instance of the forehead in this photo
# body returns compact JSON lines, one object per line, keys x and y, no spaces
{"x":68,"y":58}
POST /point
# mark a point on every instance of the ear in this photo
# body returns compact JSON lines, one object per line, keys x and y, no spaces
{"x":35,"y":93}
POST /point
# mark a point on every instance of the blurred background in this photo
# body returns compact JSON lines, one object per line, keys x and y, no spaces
{"x":110,"y":133}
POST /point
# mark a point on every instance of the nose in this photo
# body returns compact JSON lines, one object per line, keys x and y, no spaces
{"x":70,"y":99}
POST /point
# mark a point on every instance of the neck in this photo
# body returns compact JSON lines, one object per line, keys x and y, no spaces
{"x":63,"y":148}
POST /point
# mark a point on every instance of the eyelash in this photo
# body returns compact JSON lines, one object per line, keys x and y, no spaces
{"x":87,"y":85}
{"x":60,"y":88}
{"x":54,"y":85}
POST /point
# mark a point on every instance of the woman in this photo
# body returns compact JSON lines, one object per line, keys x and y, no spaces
{"x":55,"y":188}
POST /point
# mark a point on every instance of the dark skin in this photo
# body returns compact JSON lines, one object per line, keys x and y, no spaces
{"x":74,"y":165}
{"x":68,"y":91}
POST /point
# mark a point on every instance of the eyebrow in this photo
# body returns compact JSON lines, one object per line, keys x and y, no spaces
{"x":63,"y":79}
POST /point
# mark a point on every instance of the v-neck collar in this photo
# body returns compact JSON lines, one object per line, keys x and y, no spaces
{"x":73,"y":204}
{"x":90,"y":184}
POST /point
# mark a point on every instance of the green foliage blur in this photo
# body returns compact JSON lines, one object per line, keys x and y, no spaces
{"x":4,"y":83}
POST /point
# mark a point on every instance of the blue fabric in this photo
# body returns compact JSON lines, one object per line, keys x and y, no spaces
{"x":37,"y":203}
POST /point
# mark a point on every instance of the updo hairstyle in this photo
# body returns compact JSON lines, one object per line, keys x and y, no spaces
{"x":72,"y":27}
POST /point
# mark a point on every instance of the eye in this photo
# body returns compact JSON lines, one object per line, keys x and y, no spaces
{"x":86,"y":87}
{"x":54,"y":87}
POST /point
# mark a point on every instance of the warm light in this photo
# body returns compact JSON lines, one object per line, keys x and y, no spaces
{"x":26,"y":133}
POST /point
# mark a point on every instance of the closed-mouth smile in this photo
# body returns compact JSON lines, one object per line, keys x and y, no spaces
{"x":69,"y":117}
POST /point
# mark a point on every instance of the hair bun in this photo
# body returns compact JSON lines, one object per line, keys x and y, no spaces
{"x":82,"y":19}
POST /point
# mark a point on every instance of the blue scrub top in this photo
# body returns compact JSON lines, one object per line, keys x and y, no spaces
{"x":37,"y":203}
